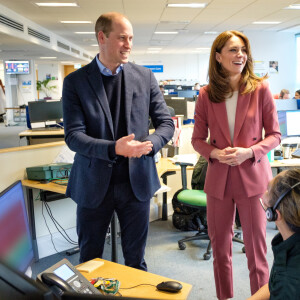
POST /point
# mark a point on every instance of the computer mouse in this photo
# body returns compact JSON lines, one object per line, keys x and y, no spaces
{"x":169,"y":286}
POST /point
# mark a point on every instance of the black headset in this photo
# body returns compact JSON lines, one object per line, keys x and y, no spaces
{"x":271,"y":213}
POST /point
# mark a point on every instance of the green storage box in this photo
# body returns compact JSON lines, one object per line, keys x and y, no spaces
{"x":49,"y":171}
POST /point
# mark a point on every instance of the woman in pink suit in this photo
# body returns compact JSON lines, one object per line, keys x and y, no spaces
{"x":234,"y":109}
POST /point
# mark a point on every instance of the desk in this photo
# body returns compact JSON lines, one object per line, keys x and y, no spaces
{"x":42,"y":136}
{"x":285,"y":163}
{"x":165,"y":168}
{"x":51,"y":192}
{"x":129,"y":277}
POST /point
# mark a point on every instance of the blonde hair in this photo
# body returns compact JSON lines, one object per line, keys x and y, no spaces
{"x":283,"y":92}
{"x":219,"y":86}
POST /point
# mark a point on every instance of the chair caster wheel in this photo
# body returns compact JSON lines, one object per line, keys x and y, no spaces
{"x":182,"y":246}
{"x":244,"y":250}
{"x":206,"y":256}
{"x":238,"y":235}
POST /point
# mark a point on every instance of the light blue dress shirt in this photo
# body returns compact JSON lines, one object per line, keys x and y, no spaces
{"x":105,"y":71}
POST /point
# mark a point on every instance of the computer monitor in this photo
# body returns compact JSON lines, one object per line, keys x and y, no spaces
{"x":187,"y":87}
{"x":15,"y":239}
{"x":45,"y":110}
{"x":282,"y":123}
{"x":187,"y":93}
{"x":293,"y":123}
{"x":170,"y":87}
{"x":16,"y":285}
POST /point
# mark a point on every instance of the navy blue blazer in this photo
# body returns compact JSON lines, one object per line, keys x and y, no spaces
{"x":89,"y":131}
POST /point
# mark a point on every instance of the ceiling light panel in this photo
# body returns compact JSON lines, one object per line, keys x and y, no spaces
{"x":85,"y":32}
{"x":172,"y":14}
{"x":187,"y":5}
{"x":57,"y":4}
{"x":76,"y":22}
{"x":166,"y":32}
{"x":266,"y":22}
{"x":293,"y":6}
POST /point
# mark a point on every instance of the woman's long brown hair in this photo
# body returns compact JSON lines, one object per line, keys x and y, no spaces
{"x":219,"y":85}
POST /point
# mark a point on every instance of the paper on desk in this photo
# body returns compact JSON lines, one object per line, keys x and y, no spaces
{"x":65,"y":156}
{"x":292,"y":161}
{"x":162,"y":189}
{"x":90,"y":266}
{"x":187,"y":158}
{"x":190,"y":106}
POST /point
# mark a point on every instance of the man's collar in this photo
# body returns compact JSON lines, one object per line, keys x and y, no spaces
{"x":105,"y":71}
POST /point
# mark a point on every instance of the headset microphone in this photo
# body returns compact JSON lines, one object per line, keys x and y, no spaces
{"x":271,"y":211}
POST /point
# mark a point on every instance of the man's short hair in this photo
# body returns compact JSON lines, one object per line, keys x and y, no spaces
{"x":105,"y":23}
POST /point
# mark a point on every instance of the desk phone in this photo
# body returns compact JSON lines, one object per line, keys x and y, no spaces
{"x":63,"y":277}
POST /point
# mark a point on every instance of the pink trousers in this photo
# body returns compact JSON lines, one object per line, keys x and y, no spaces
{"x":220,"y":219}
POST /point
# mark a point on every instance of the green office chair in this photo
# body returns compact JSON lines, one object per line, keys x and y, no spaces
{"x":196,"y":199}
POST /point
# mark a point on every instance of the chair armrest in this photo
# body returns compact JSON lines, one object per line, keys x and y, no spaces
{"x":183,"y":163}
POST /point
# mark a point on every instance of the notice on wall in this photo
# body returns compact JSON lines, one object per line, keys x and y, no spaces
{"x":273,"y":67}
{"x":26,"y":86}
{"x":260,"y":68}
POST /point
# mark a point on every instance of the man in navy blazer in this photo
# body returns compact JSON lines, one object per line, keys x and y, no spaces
{"x":106,"y":107}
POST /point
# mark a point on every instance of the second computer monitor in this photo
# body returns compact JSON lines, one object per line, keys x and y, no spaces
{"x":45,"y":110}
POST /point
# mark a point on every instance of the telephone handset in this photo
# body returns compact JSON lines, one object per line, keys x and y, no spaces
{"x":51,"y":279}
{"x":63,"y":277}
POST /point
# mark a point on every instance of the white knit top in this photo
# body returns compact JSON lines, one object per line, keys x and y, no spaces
{"x":231,"y":111}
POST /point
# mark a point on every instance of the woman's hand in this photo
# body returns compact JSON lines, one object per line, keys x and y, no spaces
{"x":232,"y":156}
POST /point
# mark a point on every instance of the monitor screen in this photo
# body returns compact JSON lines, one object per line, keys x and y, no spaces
{"x":170,"y":87}
{"x":187,"y":93}
{"x":17,"y":67}
{"x":45,"y":110}
{"x":15,"y":239}
{"x":282,"y":123}
{"x":293,"y":122}
{"x":187,"y":87}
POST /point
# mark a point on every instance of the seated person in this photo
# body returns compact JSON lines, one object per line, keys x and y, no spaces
{"x":284,"y":280}
{"x":162,"y":89}
{"x":197,"y":87}
{"x":297,"y":95}
{"x":284,"y":94}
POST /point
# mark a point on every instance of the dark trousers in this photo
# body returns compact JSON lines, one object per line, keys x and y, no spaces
{"x":133,"y":215}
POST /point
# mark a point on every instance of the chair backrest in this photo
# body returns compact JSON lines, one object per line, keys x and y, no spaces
{"x":199,"y":174}
{"x":183,"y":166}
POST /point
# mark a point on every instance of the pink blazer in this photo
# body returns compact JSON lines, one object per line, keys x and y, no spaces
{"x":254,"y":112}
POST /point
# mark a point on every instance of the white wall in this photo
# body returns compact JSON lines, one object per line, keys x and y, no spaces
{"x":190,"y":67}
{"x":55,"y":70}
{"x":266,"y":46}
{"x":2,"y":72}
{"x":279,"y":47}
